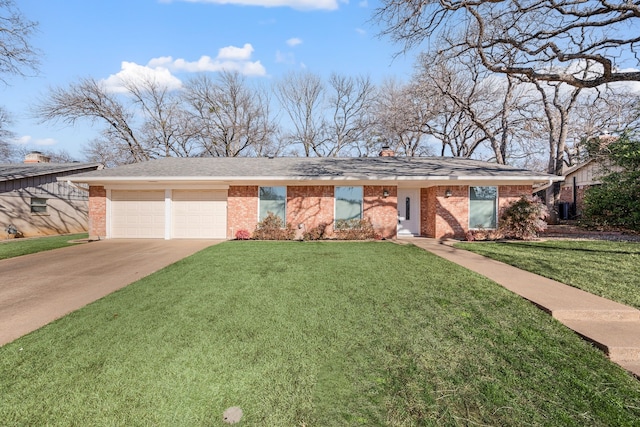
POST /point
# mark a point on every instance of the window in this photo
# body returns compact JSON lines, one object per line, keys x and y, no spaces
{"x":483,"y":207}
{"x":273,"y":199}
{"x":38,"y":205}
{"x":348,"y":203}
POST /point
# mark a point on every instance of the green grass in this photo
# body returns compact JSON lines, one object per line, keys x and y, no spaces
{"x":312,"y":334}
{"x":16,"y":247}
{"x":608,"y":269}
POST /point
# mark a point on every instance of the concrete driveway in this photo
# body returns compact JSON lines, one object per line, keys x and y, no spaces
{"x":39,"y":288}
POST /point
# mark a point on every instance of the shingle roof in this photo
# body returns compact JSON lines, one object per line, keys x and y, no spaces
{"x":9,"y":172}
{"x":302,"y":168}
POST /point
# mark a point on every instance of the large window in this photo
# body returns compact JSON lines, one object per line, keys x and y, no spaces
{"x":273,"y":199}
{"x":348,"y":203}
{"x":38,"y":205}
{"x":483,"y":207}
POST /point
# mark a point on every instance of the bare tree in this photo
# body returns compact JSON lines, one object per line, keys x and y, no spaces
{"x":301,"y":96}
{"x":401,"y":118}
{"x":541,"y":40}
{"x":166,"y":130}
{"x":89,"y":99}
{"x":16,"y":53}
{"x":472,"y":107}
{"x":7,"y":150}
{"x":230,"y":118}
{"x":349,"y":118}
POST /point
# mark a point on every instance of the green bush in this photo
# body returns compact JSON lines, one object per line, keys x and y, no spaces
{"x":616,"y":201}
{"x":272,"y":227}
{"x":524,"y":218}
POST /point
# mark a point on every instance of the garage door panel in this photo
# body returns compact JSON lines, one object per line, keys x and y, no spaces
{"x":137,"y":214}
{"x":199,"y":214}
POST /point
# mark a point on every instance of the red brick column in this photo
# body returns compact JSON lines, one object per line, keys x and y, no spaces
{"x":97,"y":212}
{"x":452,"y":213}
{"x":242,"y":209}
{"x":380,"y":210}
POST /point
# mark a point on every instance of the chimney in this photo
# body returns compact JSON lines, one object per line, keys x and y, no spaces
{"x":36,"y":157}
{"x":387,"y":152}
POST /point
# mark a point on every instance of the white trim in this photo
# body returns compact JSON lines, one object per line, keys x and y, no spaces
{"x":109,"y":214}
{"x":168,"y":200}
{"x":165,"y":186}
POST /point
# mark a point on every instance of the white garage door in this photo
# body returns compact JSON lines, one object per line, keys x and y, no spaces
{"x":199,"y":214}
{"x":137,"y":214}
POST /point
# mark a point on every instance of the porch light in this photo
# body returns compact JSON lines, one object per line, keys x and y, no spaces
{"x":447,"y":193}
{"x":385,"y":193}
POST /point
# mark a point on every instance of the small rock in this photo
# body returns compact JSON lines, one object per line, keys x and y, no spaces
{"x":232,"y":415}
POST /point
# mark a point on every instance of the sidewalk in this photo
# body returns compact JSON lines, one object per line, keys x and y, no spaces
{"x":612,"y":327}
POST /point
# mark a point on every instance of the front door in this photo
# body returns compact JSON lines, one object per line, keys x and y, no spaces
{"x":408,"y":212}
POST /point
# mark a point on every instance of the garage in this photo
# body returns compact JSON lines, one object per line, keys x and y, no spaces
{"x":199,"y":214}
{"x":137,"y":214}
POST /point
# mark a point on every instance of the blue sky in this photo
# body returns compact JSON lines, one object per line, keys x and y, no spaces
{"x":174,"y":38}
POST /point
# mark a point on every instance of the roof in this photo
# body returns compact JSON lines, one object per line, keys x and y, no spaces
{"x":13,"y":171}
{"x":311,"y":169}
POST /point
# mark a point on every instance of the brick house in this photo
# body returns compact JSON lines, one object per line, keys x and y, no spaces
{"x":216,"y":197}
{"x":37,"y":200}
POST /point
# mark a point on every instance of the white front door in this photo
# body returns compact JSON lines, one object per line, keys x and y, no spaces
{"x":408,"y":212}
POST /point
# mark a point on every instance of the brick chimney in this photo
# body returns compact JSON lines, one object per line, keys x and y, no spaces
{"x":387,"y":152}
{"x":36,"y":157}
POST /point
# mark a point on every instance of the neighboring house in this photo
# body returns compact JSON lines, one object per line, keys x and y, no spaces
{"x":577,"y":179}
{"x":216,"y":197}
{"x":36,"y":200}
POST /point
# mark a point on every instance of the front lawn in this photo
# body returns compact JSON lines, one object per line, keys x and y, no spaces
{"x":16,"y":247}
{"x":608,"y":269}
{"x":312,"y":334}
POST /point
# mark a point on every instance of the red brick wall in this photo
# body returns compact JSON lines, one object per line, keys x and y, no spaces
{"x":428,"y":212}
{"x":97,"y":212}
{"x":381,"y":211}
{"x":310,"y":205}
{"x":242,"y":209}
{"x":448,"y":217}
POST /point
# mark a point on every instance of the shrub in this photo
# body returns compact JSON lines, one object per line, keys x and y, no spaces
{"x":524,"y":219}
{"x":316,"y":233}
{"x":272,"y":227}
{"x":355,"y":229}
{"x":482,"y":234}
{"x":243,"y":234}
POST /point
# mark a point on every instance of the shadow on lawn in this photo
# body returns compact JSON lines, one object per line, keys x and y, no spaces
{"x":634,"y":250}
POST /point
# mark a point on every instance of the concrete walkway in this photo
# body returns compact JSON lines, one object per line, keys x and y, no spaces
{"x":39,"y":288}
{"x":612,"y":327}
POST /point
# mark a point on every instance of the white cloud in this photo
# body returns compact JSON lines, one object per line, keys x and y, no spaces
{"x":160,"y":70}
{"x":363,"y":3}
{"x":131,"y":72}
{"x":41,"y":142}
{"x":294,"y":4}
{"x":361,"y":31}
{"x":294,"y":41}
{"x":236,"y":53}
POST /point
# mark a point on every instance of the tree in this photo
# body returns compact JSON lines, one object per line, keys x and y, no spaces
{"x":230,"y":118}
{"x":540,"y":40}
{"x":6,"y":149}
{"x":301,"y":95}
{"x":616,"y":201}
{"x":16,"y":53}
{"x":89,"y":99}
{"x":16,"y":57}
{"x":349,"y":114}
{"x":400,"y":118}
{"x":472,"y":108}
